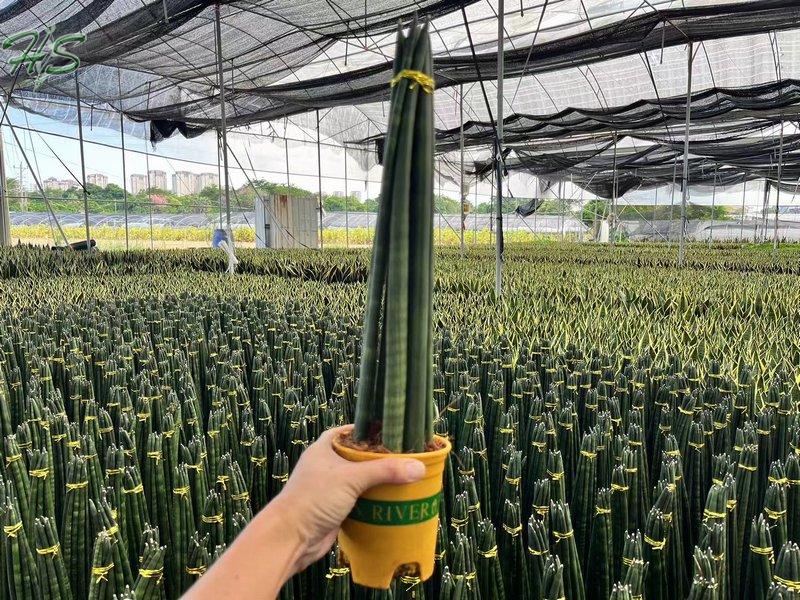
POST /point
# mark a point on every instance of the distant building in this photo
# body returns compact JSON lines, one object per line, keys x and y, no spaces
{"x":185,"y":183}
{"x":207,"y":180}
{"x":97,"y":179}
{"x":51,"y":183}
{"x":138,"y":183}
{"x":356,"y":194}
{"x":338,"y":194}
{"x":158,"y":179}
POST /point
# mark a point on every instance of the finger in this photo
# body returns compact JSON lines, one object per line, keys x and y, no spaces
{"x":330,"y":434}
{"x":368,"y":474}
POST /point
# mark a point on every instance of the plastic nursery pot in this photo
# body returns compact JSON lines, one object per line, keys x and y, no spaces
{"x":393,"y":526}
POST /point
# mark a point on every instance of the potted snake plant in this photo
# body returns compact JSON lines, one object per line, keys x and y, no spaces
{"x":392,"y":529}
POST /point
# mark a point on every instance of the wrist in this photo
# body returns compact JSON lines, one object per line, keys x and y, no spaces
{"x":282,"y":523}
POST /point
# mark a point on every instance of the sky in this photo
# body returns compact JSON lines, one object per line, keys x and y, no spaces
{"x":261,"y":156}
{"x":56,"y":153}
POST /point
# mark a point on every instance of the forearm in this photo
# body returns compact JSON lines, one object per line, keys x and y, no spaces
{"x":258,"y":563}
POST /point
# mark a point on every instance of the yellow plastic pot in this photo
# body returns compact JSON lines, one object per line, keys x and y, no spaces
{"x":393,"y":525}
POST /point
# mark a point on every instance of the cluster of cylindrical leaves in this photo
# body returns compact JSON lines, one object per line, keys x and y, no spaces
{"x":607,"y":476}
{"x":141,"y":436}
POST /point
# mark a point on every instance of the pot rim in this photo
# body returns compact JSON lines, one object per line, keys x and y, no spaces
{"x":431,"y":455}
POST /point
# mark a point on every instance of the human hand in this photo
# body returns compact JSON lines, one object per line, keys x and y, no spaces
{"x":324,"y":487}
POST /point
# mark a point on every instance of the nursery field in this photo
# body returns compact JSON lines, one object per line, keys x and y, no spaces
{"x":620,"y":428}
{"x":110,"y":237}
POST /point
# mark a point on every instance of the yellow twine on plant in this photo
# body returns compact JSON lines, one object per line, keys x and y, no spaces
{"x":243,"y":497}
{"x":490,"y":553}
{"x":155,"y":454}
{"x":762,"y":550}
{"x":712,"y":514}
{"x":337,"y":572}
{"x":747,"y":467}
{"x":102,"y":572}
{"x":512,"y":531}
{"x":12,"y":530}
{"x":212,"y":519}
{"x":616,"y":487}
{"x":41,"y":473}
{"x":198,"y":571}
{"x":411,"y":581}
{"x":12,"y":458}
{"x":114,"y":471}
{"x":789,"y":583}
{"x":600,"y":510}
{"x":655,"y":544}
{"x":589,"y":455}
{"x":134,"y":490}
{"x":424,"y":81}
{"x":181,"y":491}
{"x":152,"y":573}
{"x":77,"y":486}
{"x":563,"y":535}
{"x":50,"y":550}
{"x":774,"y":514}
{"x":456,"y":522}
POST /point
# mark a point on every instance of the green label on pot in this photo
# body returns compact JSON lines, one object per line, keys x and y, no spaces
{"x":401,"y":512}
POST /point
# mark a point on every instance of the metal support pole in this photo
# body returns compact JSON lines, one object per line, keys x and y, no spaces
{"x":149,"y":191}
{"x":613,"y":224}
{"x":491,"y":206}
{"x":463,"y":194}
{"x":764,"y":205}
{"x":5,"y":215}
{"x":741,"y":221}
{"x":655,"y":212}
{"x":39,"y":185}
{"x":439,"y":197}
{"x":672,"y":200}
{"x":346,"y":202}
{"x":713,"y":198}
{"x":778,"y":193}
{"x":223,"y":125}
{"x":498,"y":273}
{"x":124,"y":169}
{"x":475,"y":210}
{"x":685,"y":185}
{"x":319,"y":181}
{"x":219,"y":175}
{"x":83,"y":162}
{"x":561,"y":202}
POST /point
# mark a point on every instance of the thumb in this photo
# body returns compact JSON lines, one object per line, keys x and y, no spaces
{"x":368,"y":474}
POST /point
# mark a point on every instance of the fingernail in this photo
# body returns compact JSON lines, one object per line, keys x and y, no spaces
{"x":415,"y":470}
